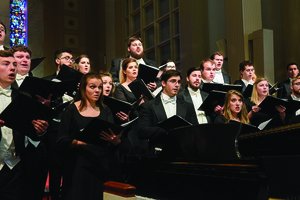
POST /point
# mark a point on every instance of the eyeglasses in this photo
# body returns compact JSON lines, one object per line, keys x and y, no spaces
{"x":2,"y":29}
{"x":296,"y":83}
{"x":67,"y":59}
{"x":171,"y":67}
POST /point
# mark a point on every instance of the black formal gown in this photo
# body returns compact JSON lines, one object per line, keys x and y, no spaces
{"x":123,"y":94}
{"x":87,"y":168}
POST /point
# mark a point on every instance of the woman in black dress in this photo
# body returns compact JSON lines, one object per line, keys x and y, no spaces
{"x":87,"y":166}
{"x":128,"y":74}
{"x":234,"y":108}
{"x":255,"y":115}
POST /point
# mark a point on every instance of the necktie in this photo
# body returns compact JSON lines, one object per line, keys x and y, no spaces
{"x":170,"y":100}
{"x":20,"y":77}
{"x":6,"y":92}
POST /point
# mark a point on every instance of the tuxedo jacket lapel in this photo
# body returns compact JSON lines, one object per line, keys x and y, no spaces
{"x":187,"y":96}
{"x":159,"y":110}
{"x":181,"y":108}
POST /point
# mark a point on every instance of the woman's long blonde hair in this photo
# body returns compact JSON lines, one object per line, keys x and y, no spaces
{"x":227,"y":112}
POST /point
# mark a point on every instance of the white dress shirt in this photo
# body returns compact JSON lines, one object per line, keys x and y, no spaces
{"x":169,"y":104}
{"x":1,"y":47}
{"x":7,"y":146}
{"x":247,"y":83}
{"x":197,"y":102}
{"x":218,"y":77}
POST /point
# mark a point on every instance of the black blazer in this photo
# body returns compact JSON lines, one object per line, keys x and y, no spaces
{"x":5,"y":48}
{"x":185,"y":95}
{"x":50,"y":77}
{"x":226,"y":78}
{"x":153,"y":112}
{"x":285,"y":85}
{"x":116,"y":65}
{"x":240,"y":82}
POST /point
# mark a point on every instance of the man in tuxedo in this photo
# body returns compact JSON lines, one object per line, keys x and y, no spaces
{"x":292,"y":71}
{"x":208,"y":71}
{"x":22,"y":54}
{"x":61,"y":57}
{"x":135,"y":50}
{"x":220,"y":77}
{"x":247,"y":73}
{"x":193,"y":94}
{"x":2,"y":36}
{"x":35,"y":153}
{"x":12,"y":142}
{"x":294,"y":95}
{"x":164,"y":106}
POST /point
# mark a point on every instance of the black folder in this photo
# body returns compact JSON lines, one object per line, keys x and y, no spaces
{"x":269,"y":103}
{"x":35,"y":62}
{"x":214,"y":98}
{"x":208,"y":87}
{"x":68,"y":73}
{"x":18,"y":115}
{"x":175,"y":121}
{"x":148,"y":73}
{"x":117,"y":105}
{"x":42,"y":87}
{"x":91,"y":133}
{"x":248,"y":91}
{"x":138,"y":88}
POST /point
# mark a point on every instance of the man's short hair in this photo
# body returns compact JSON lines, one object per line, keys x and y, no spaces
{"x":288,"y":65}
{"x":22,"y":48}
{"x":204,"y":61}
{"x":295,"y":79}
{"x":243,"y":64}
{"x":59,"y":52}
{"x":3,"y":26}
{"x":168,"y":74}
{"x":192,"y":69}
{"x":212,"y":57}
{"x":132,"y":39}
{"x":5,"y":53}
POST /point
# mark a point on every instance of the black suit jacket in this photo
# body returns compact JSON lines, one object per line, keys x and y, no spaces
{"x":18,"y":137}
{"x":50,"y":77}
{"x":226,"y":78}
{"x":186,"y":96}
{"x":285,"y":85}
{"x":153,"y":112}
{"x":117,"y":63}
{"x":5,"y":48}
{"x":240,"y":82}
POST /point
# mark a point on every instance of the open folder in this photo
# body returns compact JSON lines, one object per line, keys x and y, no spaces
{"x":214,"y":98}
{"x":68,"y":73}
{"x":92,"y":132}
{"x":139,"y":88}
{"x":35,"y":62}
{"x":117,"y":105}
{"x":18,"y":115}
{"x":175,"y":121}
{"x":42,"y":87}
{"x":268,"y":105}
{"x":148,"y":73}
